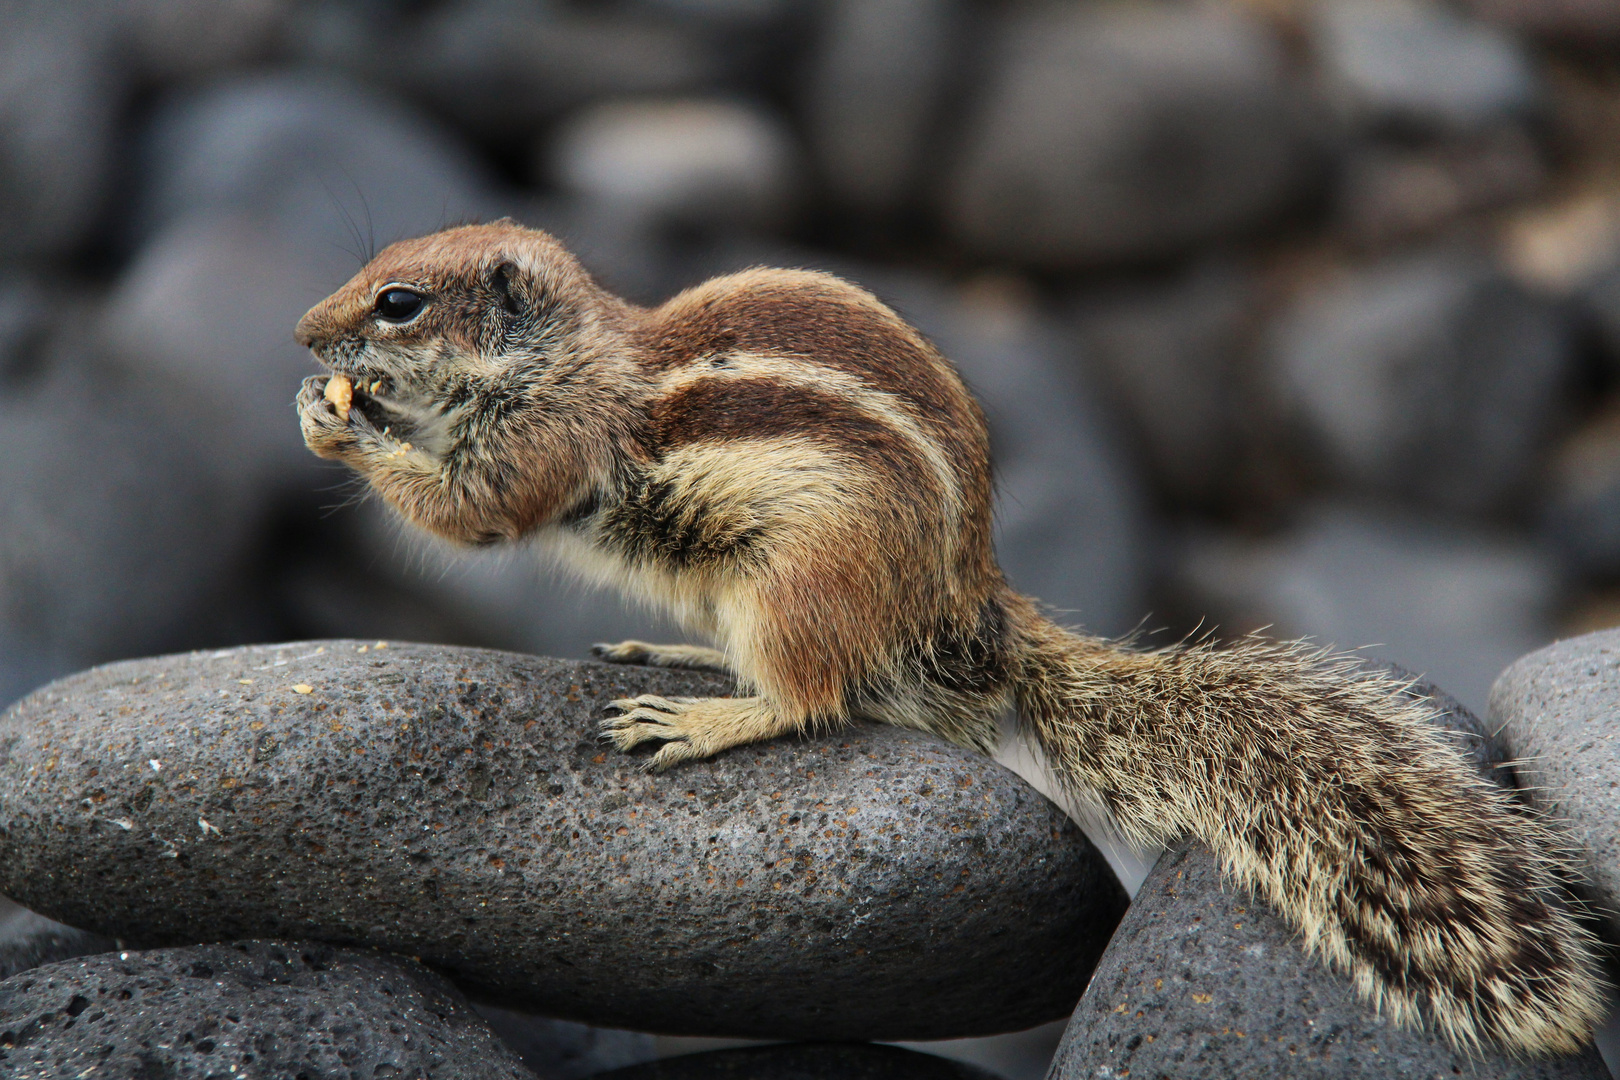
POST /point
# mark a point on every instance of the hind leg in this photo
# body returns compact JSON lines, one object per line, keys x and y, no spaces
{"x":693,"y":657}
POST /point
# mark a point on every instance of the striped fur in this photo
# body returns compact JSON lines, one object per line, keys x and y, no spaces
{"x":793,"y":472}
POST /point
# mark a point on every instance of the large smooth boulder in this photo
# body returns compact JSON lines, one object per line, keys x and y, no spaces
{"x":251,"y":1008}
{"x":456,"y":805}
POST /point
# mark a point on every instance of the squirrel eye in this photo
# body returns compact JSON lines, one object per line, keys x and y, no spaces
{"x":398,"y":305}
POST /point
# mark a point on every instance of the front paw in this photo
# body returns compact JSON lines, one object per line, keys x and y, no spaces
{"x":327,"y":434}
{"x":650,"y":718}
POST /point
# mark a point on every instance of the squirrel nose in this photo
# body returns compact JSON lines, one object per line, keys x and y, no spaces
{"x":306,"y":333}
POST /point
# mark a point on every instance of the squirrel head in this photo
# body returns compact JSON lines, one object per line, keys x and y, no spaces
{"x":430,"y":322}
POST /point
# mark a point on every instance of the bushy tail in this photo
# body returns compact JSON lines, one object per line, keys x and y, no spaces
{"x":1323,"y":787}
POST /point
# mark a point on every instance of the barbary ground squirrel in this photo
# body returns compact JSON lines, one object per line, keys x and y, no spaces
{"x":782,"y":463}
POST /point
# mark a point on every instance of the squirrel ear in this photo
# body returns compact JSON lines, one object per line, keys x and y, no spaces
{"x":500,"y":281}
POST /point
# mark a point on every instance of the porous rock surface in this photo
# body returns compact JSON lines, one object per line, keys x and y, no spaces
{"x":1204,"y":982}
{"x":455,"y":805}
{"x":252,"y":1008}
{"x":1559,"y":712}
{"x":803,"y":1061}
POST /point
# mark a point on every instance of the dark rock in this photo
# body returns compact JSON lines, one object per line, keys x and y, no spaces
{"x":693,"y":163}
{"x":1581,"y":511}
{"x":564,"y":1050}
{"x":28,"y":940}
{"x":810,"y":1061}
{"x":1417,"y":64}
{"x":456,"y":805}
{"x":881,"y":72}
{"x":1588,"y":24}
{"x":339,"y":169}
{"x":1456,"y":604}
{"x":1556,"y":708}
{"x":1389,"y":191}
{"x":1429,"y":376}
{"x":116,"y":532}
{"x":1124,"y":132}
{"x":207,"y":308}
{"x":29,"y":313}
{"x":1170,"y":352}
{"x":60,"y":93}
{"x":503,"y":69}
{"x":252,"y":1008}
{"x":1598,"y":300}
{"x":1201,"y":980}
{"x":185,"y":39}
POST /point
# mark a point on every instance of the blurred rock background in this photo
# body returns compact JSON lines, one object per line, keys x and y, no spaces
{"x":1301,"y":314}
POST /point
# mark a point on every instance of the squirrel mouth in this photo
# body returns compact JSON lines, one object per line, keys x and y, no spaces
{"x":361,"y":392}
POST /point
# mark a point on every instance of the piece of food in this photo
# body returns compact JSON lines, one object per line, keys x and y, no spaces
{"x":340,"y":392}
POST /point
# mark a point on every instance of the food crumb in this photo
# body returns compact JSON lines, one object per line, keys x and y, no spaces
{"x":340,"y":392}
{"x":303,"y":688}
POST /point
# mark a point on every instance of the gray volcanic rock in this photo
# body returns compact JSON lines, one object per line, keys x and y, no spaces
{"x":500,"y":69}
{"x":1458,"y":604}
{"x":28,"y":939}
{"x":455,"y":804}
{"x":804,"y":1061}
{"x":1171,"y":354}
{"x":60,"y":92}
{"x":1559,"y":711}
{"x":1581,"y":23}
{"x":1203,"y":981}
{"x":686,"y":162}
{"x":879,"y":75}
{"x":331,"y":163}
{"x":252,"y":1008}
{"x":1417,"y":63}
{"x":118,"y":534}
{"x":1432,"y":377}
{"x":1125,"y":132}
{"x":1581,"y":504}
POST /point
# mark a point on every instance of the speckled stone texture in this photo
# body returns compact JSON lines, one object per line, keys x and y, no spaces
{"x":1559,"y":711}
{"x":28,"y":939}
{"x":1202,"y":982}
{"x":805,"y":1061}
{"x":252,"y":1008}
{"x":455,"y":805}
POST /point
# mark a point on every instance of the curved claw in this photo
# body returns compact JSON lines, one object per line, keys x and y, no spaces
{"x":643,"y":719}
{"x":672,"y":753}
